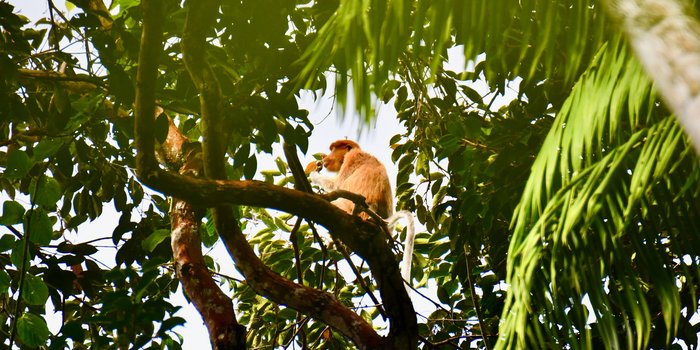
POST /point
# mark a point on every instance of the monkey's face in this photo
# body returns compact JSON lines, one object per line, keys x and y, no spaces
{"x":334,"y":161}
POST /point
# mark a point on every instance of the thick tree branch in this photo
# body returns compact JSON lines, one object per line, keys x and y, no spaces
{"x":360,"y":236}
{"x":324,"y":306}
{"x":146,"y":78}
{"x":200,"y":18}
{"x":212,"y":303}
{"x":216,"y":308}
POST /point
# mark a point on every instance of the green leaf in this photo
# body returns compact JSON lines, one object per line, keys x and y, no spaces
{"x":77,"y":249}
{"x":18,"y":253}
{"x":472,"y":94}
{"x":442,"y":295}
{"x":388,"y":90}
{"x":47,"y":147}
{"x":154,"y":239}
{"x":4,"y":282}
{"x":136,"y":191}
{"x":171,"y":323}
{"x":208,"y":231}
{"x":121,"y":85}
{"x":439,"y":250}
{"x":144,"y":283}
{"x":251,"y":165}
{"x":35,"y":291}
{"x":32,"y":330}
{"x":12,"y":213}
{"x":60,"y":99}
{"x":38,"y":226}
{"x":7,"y":241}
{"x":281,"y":165}
{"x":18,"y":165}
{"x":47,"y":193}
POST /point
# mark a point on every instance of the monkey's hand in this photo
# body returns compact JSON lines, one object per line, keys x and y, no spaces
{"x":314,"y":166}
{"x":327,"y":183}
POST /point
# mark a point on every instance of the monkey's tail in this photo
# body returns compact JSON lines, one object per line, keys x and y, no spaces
{"x":407,"y":244}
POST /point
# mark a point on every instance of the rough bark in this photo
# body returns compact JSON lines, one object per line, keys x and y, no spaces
{"x":215,"y":307}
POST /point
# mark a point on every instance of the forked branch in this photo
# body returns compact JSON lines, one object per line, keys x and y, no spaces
{"x":360,"y":236}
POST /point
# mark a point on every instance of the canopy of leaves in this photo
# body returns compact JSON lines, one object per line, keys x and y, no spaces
{"x":562,"y":215}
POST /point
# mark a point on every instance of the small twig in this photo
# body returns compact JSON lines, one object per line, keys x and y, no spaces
{"x":294,"y":238}
{"x":230,"y":278}
{"x":301,"y":182}
{"x":23,"y":267}
{"x":341,"y":248}
{"x":477,"y":309}
{"x":53,"y":24}
{"x":300,"y":324}
{"x":324,"y":253}
{"x":56,"y":76}
{"x":437,"y":345}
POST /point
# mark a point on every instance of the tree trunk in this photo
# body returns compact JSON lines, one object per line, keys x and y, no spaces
{"x":665,"y":34}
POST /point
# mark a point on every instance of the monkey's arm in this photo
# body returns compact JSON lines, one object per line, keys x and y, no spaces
{"x":328,"y":183}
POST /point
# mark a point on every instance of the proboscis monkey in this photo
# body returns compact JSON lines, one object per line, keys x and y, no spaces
{"x":358,"y":172}
{"x":361,"y":173}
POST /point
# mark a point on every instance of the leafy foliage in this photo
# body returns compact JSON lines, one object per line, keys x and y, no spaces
{"x":592,"y":198}
{"x":542,"y":41}
{"x":595,"y":206}
{"x":561,"y":215}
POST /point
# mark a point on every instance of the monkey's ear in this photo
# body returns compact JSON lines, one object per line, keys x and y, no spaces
{"x":313,"y":166}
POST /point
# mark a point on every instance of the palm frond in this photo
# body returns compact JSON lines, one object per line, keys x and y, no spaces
{"x":587,"y":225}
{"x":363,"y":40}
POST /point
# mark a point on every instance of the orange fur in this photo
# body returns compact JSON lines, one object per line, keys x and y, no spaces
{"x":359,"y":172}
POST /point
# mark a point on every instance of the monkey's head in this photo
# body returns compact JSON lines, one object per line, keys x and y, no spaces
{"x":334,"y":160}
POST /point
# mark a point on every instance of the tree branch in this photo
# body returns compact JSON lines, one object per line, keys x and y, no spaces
{"x":215,"y":307}
{"x":80,"y":82}
{"x":359,"y":235}
{"x":200,"y":17}
{"x":146,"y":78}
{"x":475,"y":300}
{"x":212,"y":303}
{"x":301,"y":182}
